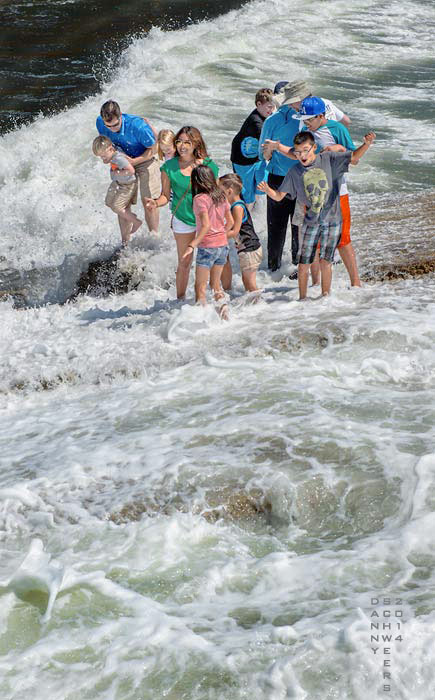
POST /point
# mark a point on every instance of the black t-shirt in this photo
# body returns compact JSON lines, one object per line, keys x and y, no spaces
{"x":250,"y":129}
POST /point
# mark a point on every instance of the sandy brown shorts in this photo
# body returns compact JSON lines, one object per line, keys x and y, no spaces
{"x":119,"y":196}
{"x":149,"y":178}
{"x":250,"y":260}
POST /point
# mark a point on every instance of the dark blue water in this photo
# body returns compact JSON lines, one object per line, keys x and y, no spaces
{"x":54,"y":53}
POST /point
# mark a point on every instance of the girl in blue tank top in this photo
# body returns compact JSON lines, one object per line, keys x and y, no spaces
{"x":248,"y":244}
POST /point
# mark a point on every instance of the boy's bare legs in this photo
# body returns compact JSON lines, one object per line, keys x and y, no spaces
{"x":227,"y":275}
{"x":315,"y":270}
{"x":128,"y":224}
{"x":125,"y":228}
{"x":249,"y":278}
{"x":303,"y":274}
{"x":183,"y":240}
{"x":347,"y":254}
{"x":326,"y":276}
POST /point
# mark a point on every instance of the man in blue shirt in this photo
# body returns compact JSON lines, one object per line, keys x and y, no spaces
{"x":279,"y":127}
{"x":136,"y":139}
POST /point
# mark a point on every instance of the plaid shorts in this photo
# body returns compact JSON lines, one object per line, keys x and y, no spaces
{"x":329,"y":236}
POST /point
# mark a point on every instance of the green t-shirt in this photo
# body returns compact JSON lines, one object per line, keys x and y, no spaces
{"x":179,"y":184}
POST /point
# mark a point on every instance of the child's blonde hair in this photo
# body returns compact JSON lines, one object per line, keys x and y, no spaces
{"x":101,"y":144}
{"x":166,"y":137}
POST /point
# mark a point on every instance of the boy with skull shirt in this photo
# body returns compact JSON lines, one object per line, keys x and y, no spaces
{"x":315,"y":182}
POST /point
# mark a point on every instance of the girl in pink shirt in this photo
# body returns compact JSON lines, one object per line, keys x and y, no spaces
{"x":213,"y":220}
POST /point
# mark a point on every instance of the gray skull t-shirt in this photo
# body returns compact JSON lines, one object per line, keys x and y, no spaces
{"x":318,"y":185}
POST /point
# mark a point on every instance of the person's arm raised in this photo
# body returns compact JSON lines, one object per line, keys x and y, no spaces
{"x":369,"y":139}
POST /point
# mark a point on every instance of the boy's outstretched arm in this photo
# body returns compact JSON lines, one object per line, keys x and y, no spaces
{"x":273,"y":194}
{"x":358,"y":152}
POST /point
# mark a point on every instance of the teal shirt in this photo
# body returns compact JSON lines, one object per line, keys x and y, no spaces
{"x":280,"y":126}
{"x":332,"y":132}
{"x":179,"y":184}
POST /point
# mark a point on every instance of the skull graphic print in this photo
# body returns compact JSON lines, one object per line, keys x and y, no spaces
{"x":316,"y":188}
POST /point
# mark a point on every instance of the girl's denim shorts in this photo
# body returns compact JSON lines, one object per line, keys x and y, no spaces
{"x":207,"y":257}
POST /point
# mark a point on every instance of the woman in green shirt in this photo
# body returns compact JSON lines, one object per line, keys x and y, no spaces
{"x":175,"y":173}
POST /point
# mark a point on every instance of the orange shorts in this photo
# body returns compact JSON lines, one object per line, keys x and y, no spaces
{"x":345,"y":221}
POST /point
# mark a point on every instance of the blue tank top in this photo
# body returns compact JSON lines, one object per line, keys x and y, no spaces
{"x":246,"y":240}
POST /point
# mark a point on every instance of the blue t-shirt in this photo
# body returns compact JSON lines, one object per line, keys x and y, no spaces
{"x":134,"y":136}
{"x":280,"y":127}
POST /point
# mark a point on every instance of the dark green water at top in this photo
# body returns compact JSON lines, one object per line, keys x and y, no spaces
{"x":54,"y":53}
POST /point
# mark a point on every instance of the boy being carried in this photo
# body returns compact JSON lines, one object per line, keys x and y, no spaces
{"x":248,"y":245}
{"x":315,"y":181}
{"x":122,"y":192}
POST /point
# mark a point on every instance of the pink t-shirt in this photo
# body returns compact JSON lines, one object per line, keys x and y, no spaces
{"x":217,"y":213}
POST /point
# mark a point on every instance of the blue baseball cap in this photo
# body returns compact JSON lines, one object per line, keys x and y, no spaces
{"x":310,"y":107}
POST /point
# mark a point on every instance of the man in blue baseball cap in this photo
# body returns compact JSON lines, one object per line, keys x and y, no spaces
{"x":329,"y":133}
{"x":333,"y":136}
{"x":280,"y":126}
{"x":315,"y":182}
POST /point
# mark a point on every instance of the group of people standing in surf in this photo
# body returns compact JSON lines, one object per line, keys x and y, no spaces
{"x":294,"y":147}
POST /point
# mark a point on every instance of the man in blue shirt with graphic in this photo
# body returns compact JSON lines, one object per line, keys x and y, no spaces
{"x":135,"y":138}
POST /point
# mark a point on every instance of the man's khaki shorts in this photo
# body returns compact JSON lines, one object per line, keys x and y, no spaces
{"x":149,"y":178}
{"x":119,"y":196}
{"x":250,"y":260}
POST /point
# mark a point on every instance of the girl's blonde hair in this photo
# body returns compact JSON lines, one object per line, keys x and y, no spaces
{"x":166,"y":137}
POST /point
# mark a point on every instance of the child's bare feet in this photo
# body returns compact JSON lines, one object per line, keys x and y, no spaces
{"x":136,"y":224}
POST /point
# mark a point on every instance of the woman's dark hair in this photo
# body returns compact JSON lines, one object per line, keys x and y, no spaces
{"x":203,"y":180}
{"x":194,"y":134}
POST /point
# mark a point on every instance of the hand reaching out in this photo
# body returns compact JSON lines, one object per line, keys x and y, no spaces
{"x":370,"y":138}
